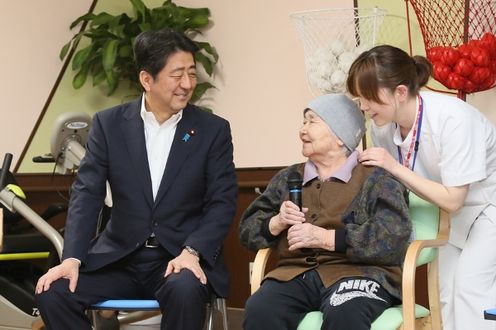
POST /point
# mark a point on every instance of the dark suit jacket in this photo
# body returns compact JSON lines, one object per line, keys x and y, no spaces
{"x":195,"y":203}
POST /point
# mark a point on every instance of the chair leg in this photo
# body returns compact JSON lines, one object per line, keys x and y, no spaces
{"x":94,"y":319}
{"x":220,"y":304}
{"x":210,"y":315}
{"x":104,"y":320}
{"x":433,"y":288}
{"x":217,"y":304}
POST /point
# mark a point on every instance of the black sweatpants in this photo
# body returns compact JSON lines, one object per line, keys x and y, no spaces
{"x":351,"y":303}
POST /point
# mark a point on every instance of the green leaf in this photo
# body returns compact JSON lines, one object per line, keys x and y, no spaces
{"x":109,"y":59}
{"x":209,"y":49}
{"x":83,"y":18}
{"x":194,"y":18}
{"x":81,"y":57}
{"x":112,"y":82}
{"x":103,"y":18}
{"x":118,"y":31}
{"x":64,"y":50}
{"x":75,"y":41}
{"x":139,"y":7}
{"x":200,"y":89}
{"x":109,"y":53}
{"x":145,"y":27}
{"x":196,"y":22}
{"x":126,"y":51}
{"x":80,"y":78}
{"x":99,"y":77}
{"x":98,"y":35}
{"x":206,"y":63}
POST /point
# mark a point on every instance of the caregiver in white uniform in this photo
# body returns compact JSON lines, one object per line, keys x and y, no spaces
{"x":444,"y":150}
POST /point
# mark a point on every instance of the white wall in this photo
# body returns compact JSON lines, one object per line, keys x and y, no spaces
{"x":261,"y":78}
{"x":32,"y":34}
{"x":261,"y":82}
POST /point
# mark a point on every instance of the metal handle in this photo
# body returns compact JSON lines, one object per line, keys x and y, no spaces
{"x":7,"y":160}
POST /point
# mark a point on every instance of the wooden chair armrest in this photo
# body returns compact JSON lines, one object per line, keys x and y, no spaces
{"x":444,"y":226}
{"x":410,"y":267}
{"x":258,"y":271}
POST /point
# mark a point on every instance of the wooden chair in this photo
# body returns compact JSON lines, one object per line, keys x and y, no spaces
{"x":431,"y":226}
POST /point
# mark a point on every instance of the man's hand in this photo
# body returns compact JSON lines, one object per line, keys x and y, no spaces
{"x":69,"y":269}
{"x":188,"y":261}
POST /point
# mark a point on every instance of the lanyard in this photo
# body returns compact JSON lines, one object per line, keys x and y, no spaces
{"x":414,"y":145}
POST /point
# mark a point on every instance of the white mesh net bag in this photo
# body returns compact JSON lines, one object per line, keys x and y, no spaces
{"x":332,"y":39}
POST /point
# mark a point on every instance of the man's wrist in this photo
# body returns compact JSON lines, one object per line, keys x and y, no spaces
{"x":76,"y":260}
{"x":192,"y":251}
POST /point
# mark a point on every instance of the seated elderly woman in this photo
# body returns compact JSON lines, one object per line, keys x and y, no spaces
{"x":342,"y":253}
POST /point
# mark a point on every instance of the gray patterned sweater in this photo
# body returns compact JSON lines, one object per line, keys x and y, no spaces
{"x":370,"y":216}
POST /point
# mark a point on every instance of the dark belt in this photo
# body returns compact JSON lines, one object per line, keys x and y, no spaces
{"x":152,"y":242}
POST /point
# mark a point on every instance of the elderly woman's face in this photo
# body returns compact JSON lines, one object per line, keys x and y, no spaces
{"x":316,"y":136}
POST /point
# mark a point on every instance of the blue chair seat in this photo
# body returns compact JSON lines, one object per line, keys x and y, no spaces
{"x":127,"y":305}
{"x":144,"y":308}
{"x":490,"y":314}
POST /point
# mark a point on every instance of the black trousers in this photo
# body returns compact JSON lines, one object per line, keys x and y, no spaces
{"x":351,"y":303}
{"x":181,"y":296}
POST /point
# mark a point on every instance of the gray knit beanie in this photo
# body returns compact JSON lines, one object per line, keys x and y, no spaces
{"x":343,"y":117}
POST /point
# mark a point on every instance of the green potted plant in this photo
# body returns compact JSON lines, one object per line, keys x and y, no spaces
{"x":106,"y":55}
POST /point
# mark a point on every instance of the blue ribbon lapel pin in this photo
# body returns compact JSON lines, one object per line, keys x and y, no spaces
{"x":188,"y":135}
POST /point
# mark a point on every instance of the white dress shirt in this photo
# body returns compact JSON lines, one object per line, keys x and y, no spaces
{"x":158,"y":138}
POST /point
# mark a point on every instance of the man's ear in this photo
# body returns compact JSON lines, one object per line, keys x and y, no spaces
{"x":146,"y":80}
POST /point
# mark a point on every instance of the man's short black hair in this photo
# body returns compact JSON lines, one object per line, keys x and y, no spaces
{"x":153,"y":48}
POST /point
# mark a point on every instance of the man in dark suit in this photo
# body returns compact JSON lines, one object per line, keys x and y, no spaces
{"x":171,"y":172}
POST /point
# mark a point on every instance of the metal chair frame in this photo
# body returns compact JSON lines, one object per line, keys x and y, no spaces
{"x":143,"y":309}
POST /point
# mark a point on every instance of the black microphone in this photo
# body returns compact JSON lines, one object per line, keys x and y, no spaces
{"x":294,"y":187}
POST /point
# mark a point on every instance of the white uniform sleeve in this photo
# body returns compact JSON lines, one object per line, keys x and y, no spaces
{"x":462,"y":147}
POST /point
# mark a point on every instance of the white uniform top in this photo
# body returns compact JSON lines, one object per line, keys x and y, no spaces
{"x":457,"y":146}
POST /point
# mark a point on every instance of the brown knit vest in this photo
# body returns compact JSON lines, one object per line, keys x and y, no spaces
{"x":326,"y":202}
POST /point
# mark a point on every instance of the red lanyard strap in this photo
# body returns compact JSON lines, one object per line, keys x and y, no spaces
{"x":414,"y":145}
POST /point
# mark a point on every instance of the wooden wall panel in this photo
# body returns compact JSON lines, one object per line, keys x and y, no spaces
{"x":45,"y":189}
{"x":238,"y":257}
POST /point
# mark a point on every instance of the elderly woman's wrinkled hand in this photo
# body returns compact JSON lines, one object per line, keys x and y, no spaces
{"x":306,"y":235}
{"x":289,"y":215}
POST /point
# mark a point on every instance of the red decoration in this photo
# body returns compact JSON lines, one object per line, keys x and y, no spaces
{"x":470,"y":67}
{"x":464,"y":67}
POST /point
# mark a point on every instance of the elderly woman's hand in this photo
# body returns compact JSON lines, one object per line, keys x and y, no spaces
{"x":306,"y":235}
{"x":289,"y":215}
